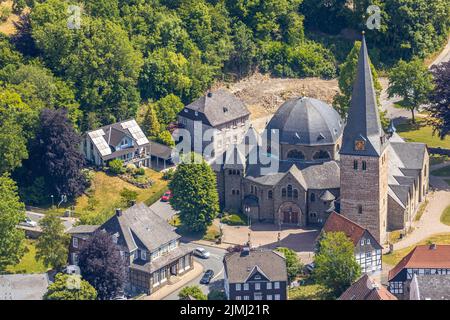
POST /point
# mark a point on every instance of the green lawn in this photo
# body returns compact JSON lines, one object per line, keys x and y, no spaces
{"x":309,"y":292}
{"x":445,"y":217}
{"x":104,"y":196}
{"x":212,"y":233}
{"x":437,"y":159}
{"x":395,"y":257}
{"x":442,"y":172}
{"x":28,"y":264}
{"x":420,"y":132}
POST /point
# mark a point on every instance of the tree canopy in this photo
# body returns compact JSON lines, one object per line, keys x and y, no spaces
{"x":70,"y":287}
{"x":193,"y":291}
{"x":440,"y":99}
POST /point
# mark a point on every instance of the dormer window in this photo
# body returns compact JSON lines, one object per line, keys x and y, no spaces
{"x":143,"y":255}
{"x":196,"y":113}
{"x":225,"y":109}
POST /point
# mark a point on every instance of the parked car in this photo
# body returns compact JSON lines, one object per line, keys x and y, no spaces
{"x":309,"y":267}
{"x":29,"y":223}
{"x":209,"y":274}
{"x":202,"y":253}
{"x":166,"y":196}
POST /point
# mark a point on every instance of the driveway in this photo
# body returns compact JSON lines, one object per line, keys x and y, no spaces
{"x":214,"y":262}
{"x":67,"y":222}
{"x":163,"y":209}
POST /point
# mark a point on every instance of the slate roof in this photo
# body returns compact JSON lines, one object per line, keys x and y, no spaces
{"x":366,"y":289}
{"x":424,"y":256}
{"x":160,"y":150}
{"x":23,"y":286}
{"x":139,"y":226}
{"x":338,"y":223}
{"x":216,"y":108}
{"x":83,"y":229}
{"x":310,"y":175}
{"x":327,"y":196}
{"x":240,"y":265}
{"x":306,"y":121}
{"x":162,"y":261}
{"x":363,"y":118}
{"x":432,"y":287}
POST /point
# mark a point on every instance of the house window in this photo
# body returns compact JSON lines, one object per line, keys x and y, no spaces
{"x":368,"y":241}
{"x":258,"y":296}
{"x":75,"y":242}
{"x":269,"y":286}
{"x":144,"y":255}
{"x":360,"y":209}
{"x":289,"y":191}
{"x":270,"y":194}
{"x":283,"y":192}
{"x":246,"y":286}
{"x":269,"y":297}
{"x":136,"y":255}
{"x":355,"y":164}
{"x":237,"y":192}
{"x":364,"y":165}
{"x":277,"y":285}
{"x":238,"y":287}
{"x":295,"y":193}
{"x":277,"y":297}
{"x":232,"y":192}
{"x":246,"y":297}
{"x":251,"y":189}
{"x":362,"y":242}
{"x":257,"y":286}
{"x":313,"y":197}
{"x":74,"y":258}
{"x":238,"y":298}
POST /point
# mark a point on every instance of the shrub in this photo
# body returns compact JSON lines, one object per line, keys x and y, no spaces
{"x":217,"y":295}
{"x":168,"y":175}
{"x":116,"y":166}
{"x":128,"y":196}
{"x":193,"y":291}
{"x":131,"y":168}
{"x":139,"y":171}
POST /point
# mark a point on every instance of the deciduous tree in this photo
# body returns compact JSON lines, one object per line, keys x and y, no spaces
{"x":70,"y":287}
{"x":440,"y":99}
{"x":192,"y":291}
{"x":293,"y":263}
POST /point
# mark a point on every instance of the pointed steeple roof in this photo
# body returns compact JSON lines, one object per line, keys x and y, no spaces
{"x":363,"y":122}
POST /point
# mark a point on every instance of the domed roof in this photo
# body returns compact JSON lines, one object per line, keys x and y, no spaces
{"x":306,"y":121}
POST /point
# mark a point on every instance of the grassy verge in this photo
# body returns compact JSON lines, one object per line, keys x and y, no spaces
{"x":437,"y":159}
{"x":28,"y":263}
{"x":420,"y":132}
{"x":442,"y":172}
{"x":445,"y":217}
{"x":309,"y":292}
{"x":421,"y":210}
{"x":234,"y":219}
{"x":211,"y":234}
{"x":395,"y":257}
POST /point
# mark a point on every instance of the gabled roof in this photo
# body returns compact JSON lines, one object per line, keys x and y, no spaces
{"x":140,"y":226}
{"x":363,"y":118}
{"x":215,"y":108}
{"x":338,"y":223}
{"x":83,"y":229}
{"x":239,"y":266}
{"x":424,"y":256}
{"x":367,"y":289}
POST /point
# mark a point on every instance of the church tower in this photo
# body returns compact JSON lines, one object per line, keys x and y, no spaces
{"x":364,"y":165}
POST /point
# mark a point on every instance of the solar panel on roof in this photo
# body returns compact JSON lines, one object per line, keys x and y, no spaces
{"x":135,"y":131}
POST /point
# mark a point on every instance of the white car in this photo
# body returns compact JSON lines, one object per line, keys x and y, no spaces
{"x":29,"y":223}
{"x":202,"y":253}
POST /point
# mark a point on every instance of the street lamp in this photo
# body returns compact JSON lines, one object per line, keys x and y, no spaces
{"x":52,"y":201}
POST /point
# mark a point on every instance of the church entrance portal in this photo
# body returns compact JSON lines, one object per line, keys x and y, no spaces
{"x":289,"y":213}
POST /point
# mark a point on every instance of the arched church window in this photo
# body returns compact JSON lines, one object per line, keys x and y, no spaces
{"x":295,"y":155}
{"x":289,"y":191}
{"x":355,"y":164}
{"x":270,"y":194}
{"x":251,"y":189}
{"x":364,"y":165}
{"x":283,"y":192}
{"x":321,"y":155}
{"x":313,"y":197}
{"x":295,"y":193}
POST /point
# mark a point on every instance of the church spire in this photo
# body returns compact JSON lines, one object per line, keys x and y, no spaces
{"x":363,"y":134}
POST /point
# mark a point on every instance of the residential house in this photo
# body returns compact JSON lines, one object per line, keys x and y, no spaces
{"x":220,"y":111}
{"x":365,"y":288}
{"x":79,"y":235}
{"x":367,"y":249}
{"x":430,"y":287}
{"x":255,"y":274}
{"x":422,"y":260}
{"x":125,"y":141}
{"x":150,"y":247}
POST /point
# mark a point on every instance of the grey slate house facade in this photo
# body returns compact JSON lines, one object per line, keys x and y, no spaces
{"x":430,"y":287}
{"x":326,"y":164}
{"x":150,"y":247}
{"x":255,"y":274}
{"x":79,"y":235}
{"x":219,"y":110}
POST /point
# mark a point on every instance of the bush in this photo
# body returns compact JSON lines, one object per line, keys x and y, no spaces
{"x":131,"y":168}
{"x":193,"y":291}
{"x":139,"y":171}
{"x":168,"y":175}
{"x":233,"y":220}
{"x":128,"y":196}
{"x":116,"y":166}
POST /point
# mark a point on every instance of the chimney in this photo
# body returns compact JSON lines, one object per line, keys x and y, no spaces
{"x":209,"y":94}
{"x":433,"y":246}
{"x":118,"y":212}
{"x":245,"y":251}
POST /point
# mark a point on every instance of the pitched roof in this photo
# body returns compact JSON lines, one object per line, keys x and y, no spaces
{"x":140,"y":226}
{"x":363,"y":119}
{"x":216,"y":108}
{"x":82,"y":229}
{"x":338,"y":223}
{"x":23,"y":286}
{"x":367,"y":289}
{"x":424,"y":256}
{"x":240,"y":265}
{"x":432,"y":287}
{"x":411,"y":154}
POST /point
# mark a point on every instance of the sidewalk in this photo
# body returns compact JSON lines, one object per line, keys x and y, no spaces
{"x":168,"y":289}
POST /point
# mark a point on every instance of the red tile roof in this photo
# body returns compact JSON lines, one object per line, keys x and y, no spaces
{"x":337,"y":222}
{"x":367,"y":289}
{"x":424,"y":256}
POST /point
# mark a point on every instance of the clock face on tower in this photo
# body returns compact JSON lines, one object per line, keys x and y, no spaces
{"x":359,"y":145}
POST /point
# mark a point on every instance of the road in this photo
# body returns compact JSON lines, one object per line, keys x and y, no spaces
{"x":214,"y":263}
{"x":67,"y":222}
